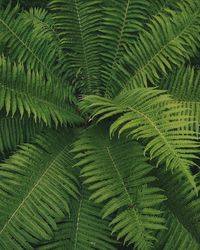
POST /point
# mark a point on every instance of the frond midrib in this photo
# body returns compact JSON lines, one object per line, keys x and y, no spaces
{"x":171,"y":149}
{"x":77,"y":223}
{"x":141,"y":69}
{"x":26,"y":46}
{"x":114,"y":63}
{"x":157,"y":129}
{"x":118,"y":173}
{"x":82,"y":43}
{"x":58,"y":153}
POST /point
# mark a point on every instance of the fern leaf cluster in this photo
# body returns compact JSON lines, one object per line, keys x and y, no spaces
{"x":33,"y":182}
{"x":99,"y":125}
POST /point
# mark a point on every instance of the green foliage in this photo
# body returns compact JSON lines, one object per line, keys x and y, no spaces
{"x":78,"y":232}
{"x":14,"y":131}
{"x":25,"y":90}
{"x":77,"y":24}
{"x":99,"y":125}
{"x":34,"y":182}
{"x":121,"y":23}
{"x":166,"y":43}
{"x":184,"y":84}
{"x":149,"y":114}
{"x":182,"y":213}
{"x":121,"y":180}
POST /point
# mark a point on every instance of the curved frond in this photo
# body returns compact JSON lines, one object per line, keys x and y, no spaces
{"x":34,"y":182}
{"x":184,"y":85}
{"x":84,"y":229}
{"x":118,"y":174}
{"x":23,"y":43}
{"x":159,"y":6}
{"x":15,"y":131}
{"x":176,"y":237}
{"x":167,"y":43}
{"x":26,"y":91}
{"x":43,"y":24}
{"x":151,"y":115}
{"x":26,"y":45}
{"x":122,"y":20}
{"x":183,"y":212}
{"x":77,"y":23}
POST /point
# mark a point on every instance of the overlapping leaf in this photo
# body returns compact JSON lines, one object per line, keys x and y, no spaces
{"x":167,"y":43}
{"x":117,"y":173}
{"x":151,"y":115}
{"x":26,"y":91}
{"x":36,"y":183}
{"x":77,"y":23}
{"x":84,"y":230}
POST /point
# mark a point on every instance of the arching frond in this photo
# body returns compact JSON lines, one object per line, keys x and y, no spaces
{"x":25,"y":44}
{"x":14,"y":131}
{"x":182,"y":212}
{"x":158,"y":6}
{"x":184,"y":85}
{"x":122,"y":20}
{"x":43,"y":24}
{"x":77,"y":23}
{"x":26,"y":91}
{"x":84,"y":229}
{"x":151,"y":115}
{"x":118,"y":174}
{"x":36,"y":184}
{"x":176,"y":237}
{"x":167,"y":43}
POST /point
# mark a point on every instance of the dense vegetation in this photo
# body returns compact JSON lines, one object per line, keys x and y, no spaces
{"x":99,"y":125}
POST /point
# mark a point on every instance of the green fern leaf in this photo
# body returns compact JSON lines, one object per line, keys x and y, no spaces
{"x":122,"y":20}
{"x":177,"y":237}
{"x":183,"y":204}
{"x":24,"y":90}
{"x":117,"y":173}
{"x":27,"y":45}
{"x":14,"y":131}
{"x":84,"y":230}
{"x":167,"y":43}
{"x":33,"y":184}
{"x":184,"y":85}
{"x":151,"y":115}
{"x":77,"y":24}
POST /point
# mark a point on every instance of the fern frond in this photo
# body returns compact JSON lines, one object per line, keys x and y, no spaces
{"x":15,"y":131}
{"x":36,"y":184}
{"x":117,"y":173}
{"x":184,"y":85}
{"x":157,"y":7}
{"x":23,"y":44}
{"x":167,"y":43}
{"x":77,"y":23}
{"x":84,"y":229}
{"x":122,"y":20}
{"x":24,"y":90}
{"x":176,"y":237}
{"x":183,"y":210}
{"x":151,"y":115}
{"x":30,"y":47}
{"x":43,"y":24}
